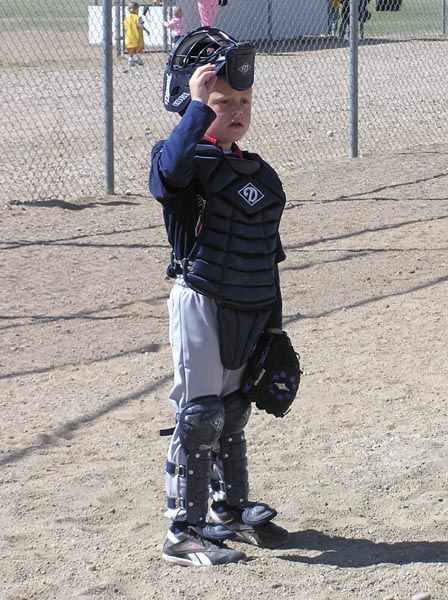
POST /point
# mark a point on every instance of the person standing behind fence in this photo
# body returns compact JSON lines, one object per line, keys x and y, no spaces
{"x":344,"y":9}
{"x":134,"y":28}
{"x":208,"y":10}
{"x":333,"y":16}
{"x":176,"y":25}
{"x":363,"y":15}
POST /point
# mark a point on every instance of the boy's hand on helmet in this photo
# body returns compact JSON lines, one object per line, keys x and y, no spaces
{"x":202,"y":83}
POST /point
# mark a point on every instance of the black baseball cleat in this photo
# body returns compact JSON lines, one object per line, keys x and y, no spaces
{"x":253,"y":513}
{"x":187,"y":547}
{"x":263,"y":535}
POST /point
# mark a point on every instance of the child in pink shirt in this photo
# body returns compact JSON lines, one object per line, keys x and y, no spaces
{"x":176,"y":25}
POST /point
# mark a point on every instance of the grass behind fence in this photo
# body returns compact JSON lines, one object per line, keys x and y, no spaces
{"x":415,"y":16}
{"x":44,"y":15}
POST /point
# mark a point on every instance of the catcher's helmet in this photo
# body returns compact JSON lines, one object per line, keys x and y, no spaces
{"x":200,"y":47}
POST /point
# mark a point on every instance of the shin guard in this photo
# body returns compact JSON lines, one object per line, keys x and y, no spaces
{"x":200,"y":426}
{"x":233,"y":451}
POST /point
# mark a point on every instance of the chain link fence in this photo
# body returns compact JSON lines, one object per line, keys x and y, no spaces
{"x":52,"y":81}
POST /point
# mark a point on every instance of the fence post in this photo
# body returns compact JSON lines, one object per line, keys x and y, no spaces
{"x":444,"y":16}
{"x":354,"y":78}
{"x":270,"y":35}
{"x":117,"y":16}
{"x":123,"y":16}
{"x":166,"y":16}
{"x":108,"y":97}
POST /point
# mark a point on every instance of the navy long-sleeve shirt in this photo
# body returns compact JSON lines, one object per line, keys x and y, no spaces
{"x":170,"y":182}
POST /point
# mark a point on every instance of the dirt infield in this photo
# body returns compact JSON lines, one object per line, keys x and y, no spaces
{"x":357,"y":470}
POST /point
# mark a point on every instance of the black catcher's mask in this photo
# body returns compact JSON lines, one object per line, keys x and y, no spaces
{"x":200,"y":47}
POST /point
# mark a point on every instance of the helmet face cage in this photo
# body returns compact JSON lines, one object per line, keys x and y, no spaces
{"x":203,"y":46}
{"x":200,"y":47}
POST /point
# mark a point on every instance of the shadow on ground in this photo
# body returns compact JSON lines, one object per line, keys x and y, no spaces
{"x":356,"y":553}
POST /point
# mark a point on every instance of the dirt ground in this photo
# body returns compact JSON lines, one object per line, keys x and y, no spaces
{"x":357,"y":470}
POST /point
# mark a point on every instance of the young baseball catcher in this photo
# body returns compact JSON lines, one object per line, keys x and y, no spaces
{"x":222,"y":209}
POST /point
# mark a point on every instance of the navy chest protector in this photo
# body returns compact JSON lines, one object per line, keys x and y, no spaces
{"x":234,"y":255}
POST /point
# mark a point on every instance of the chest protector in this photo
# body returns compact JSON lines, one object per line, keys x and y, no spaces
{"x":233,"y":257}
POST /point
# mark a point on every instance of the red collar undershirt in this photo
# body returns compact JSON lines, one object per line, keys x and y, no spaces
{"x":236,"y":150}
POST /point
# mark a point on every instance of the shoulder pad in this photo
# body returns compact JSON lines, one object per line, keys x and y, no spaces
{"x":208,"y":150}
{"x":243,"y":166}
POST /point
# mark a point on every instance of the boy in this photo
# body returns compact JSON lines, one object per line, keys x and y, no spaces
{"x":222,"y":209}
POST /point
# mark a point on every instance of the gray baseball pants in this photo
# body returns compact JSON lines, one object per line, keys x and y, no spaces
{"x":198,"y":371}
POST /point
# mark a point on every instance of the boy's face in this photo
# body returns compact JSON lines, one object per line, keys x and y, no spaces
{"x":233,"y":112}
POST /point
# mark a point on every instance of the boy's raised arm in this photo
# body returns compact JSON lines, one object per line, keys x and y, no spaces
{"x":172,"y":160}
{"x":175,"y":158}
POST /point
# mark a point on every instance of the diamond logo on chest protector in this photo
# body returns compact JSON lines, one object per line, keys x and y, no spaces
{"x":251,"y":194}
{"x":245,"y":68}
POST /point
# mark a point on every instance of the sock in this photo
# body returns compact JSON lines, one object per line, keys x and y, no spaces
{"x":220,"y":506}
{"x":179,"y":526}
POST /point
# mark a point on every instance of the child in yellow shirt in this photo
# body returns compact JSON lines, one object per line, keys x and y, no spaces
{"x":133,"y":27}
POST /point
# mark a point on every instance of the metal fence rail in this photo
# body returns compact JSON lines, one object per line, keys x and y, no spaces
{"x":52,"y":86}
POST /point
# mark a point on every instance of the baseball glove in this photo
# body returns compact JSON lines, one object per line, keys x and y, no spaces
{"x":272,"y":376}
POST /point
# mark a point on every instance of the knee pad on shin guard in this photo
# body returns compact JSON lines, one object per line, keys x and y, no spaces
{"x":233,"y":449}
{"x":200,"y":425}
